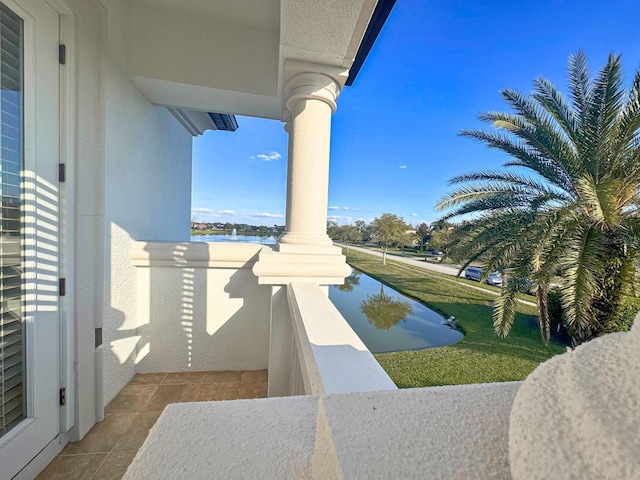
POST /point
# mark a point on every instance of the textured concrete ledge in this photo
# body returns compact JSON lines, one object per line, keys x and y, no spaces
{"x":333,"y":358}
{"x":442,"y":432}
{"x":195,"y":254}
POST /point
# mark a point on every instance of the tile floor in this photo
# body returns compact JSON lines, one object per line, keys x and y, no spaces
{"x":109,"y":447}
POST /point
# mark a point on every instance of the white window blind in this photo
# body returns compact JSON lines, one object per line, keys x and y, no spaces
{"x":12,"y":348}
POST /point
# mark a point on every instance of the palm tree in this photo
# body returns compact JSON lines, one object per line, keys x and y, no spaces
{"x":576,"y":206}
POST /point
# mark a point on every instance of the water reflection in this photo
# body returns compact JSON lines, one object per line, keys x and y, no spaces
{"x":385,"y":312}
{"x":386,"y":320}
{"x":350,"y":282}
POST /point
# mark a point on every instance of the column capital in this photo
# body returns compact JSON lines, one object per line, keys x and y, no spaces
{"x":310,"y":85}
{"x":304,"y":80}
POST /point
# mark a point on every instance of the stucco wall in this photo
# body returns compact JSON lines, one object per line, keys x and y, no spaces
{"x":200,"y":308}
{"x":147,"y":196}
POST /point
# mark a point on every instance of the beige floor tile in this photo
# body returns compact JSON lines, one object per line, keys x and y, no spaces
{"x":148,"y":379}
{"x":183,"y":378}
{"x":72,"y":467}
{"x":228,"y":391}
{"x":223,"y":377}
{"x":165,"y":395}
{"x":131,"y":398}
{"x":252,"y":390}
{"x":115,"y":466}
{"x":198,"y":393}
{"x":137,"y":433}
{"x":210,"y":392}
{"x":255,"y":376}
{"x":103,"y":436}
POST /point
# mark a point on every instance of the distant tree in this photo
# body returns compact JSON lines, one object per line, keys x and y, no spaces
{"x":441,"y":224}
{"x":440,"y":239}
{"x":423,"y":232}
{"x":363,"y":230}
{"x":408,"y":238}
{"x":387,"y":229}
{"x":347,"y":234}
{"x":332,"y":229}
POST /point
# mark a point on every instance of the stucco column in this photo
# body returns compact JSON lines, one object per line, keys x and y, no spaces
{"x":305,"y":253}
{"x":311,"y":100}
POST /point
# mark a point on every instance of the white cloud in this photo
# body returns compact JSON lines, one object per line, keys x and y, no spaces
{"x":264,"y":215}
{"x":334,"y":208}
{"x":340,"y":219}
{"x":345,"y":208}
{"x":355,"y":209}
{"x":227,"y":212}
{"x":269,"y":157}
{"x":414,"y":214}
{"x":402,"y":166}
{"x":201,"y":210}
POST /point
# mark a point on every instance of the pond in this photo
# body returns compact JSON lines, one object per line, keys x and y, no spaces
{"x":264,"y":240}
{"x":386,"y":320}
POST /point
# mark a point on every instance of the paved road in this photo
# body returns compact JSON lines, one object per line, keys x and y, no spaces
{"x":446,"y":269}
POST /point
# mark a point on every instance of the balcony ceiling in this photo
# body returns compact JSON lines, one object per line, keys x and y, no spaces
{"x":229,"y":56}
{"x":263,"y":14}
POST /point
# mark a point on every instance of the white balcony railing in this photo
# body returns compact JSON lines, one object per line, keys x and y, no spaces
{"x":328,"y":356}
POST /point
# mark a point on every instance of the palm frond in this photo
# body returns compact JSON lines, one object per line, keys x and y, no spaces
{"x":628,"y":123}
{"x":547,"y":95}
{"x":504,"y":310}
{"x":579,"y":86}
{"x":602,"y":112}
{"x":581,"y":269}
{"x":525,"y":155}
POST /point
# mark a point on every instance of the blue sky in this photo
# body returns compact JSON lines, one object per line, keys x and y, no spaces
{"x":395,"y":142}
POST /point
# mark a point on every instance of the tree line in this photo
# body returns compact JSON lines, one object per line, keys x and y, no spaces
{"x":391,"y":230}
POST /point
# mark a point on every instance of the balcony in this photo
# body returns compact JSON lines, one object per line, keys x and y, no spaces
{"x":332,"y":412}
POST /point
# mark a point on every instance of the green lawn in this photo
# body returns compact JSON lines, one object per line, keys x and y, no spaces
{"x":481,"y":356}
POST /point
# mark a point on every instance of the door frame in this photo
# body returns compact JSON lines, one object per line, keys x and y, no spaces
{"x":72,"y":14}
{"x":31,"y":147}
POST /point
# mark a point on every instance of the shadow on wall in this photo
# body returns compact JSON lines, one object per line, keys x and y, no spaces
{"x":195,"y":317}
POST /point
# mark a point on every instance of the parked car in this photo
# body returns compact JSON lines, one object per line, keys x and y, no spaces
{"x":495,"y":279}
{"x":473,"y":273}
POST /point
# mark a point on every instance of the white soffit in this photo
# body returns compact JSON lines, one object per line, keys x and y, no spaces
{"x":263,"y":14}
{"x":194,"y":97}
{"x":228,"y":56}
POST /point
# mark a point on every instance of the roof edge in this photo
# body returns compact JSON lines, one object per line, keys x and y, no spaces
{"x":378,"y":19}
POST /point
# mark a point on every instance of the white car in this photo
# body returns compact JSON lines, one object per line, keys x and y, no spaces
{"x":473,"y":273}
{"x":495,"y":279}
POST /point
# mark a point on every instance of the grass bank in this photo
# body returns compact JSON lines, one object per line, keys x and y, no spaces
{"x":481,"y":356}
